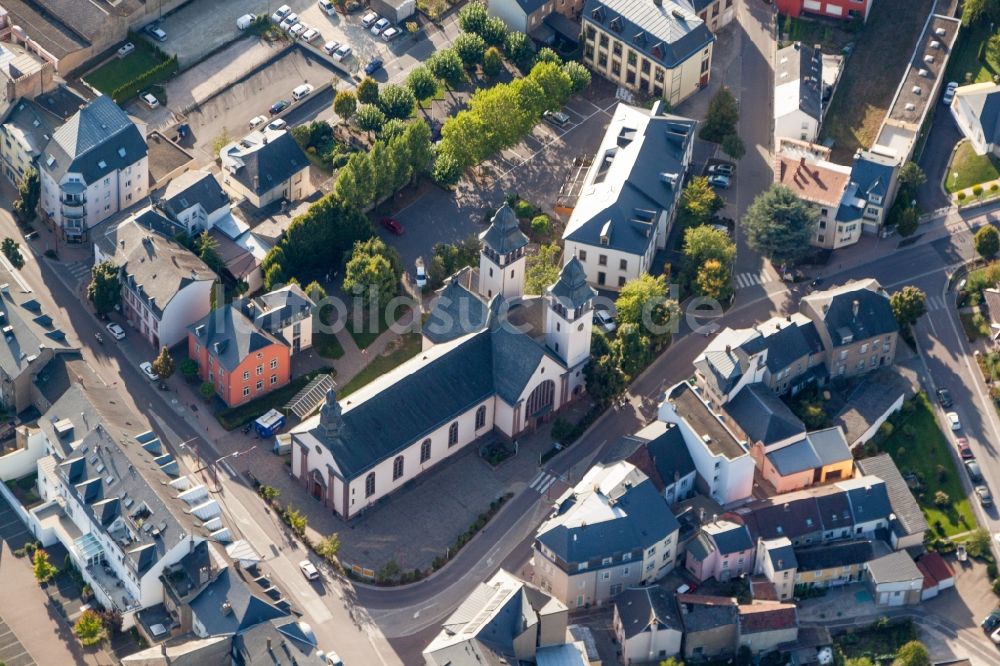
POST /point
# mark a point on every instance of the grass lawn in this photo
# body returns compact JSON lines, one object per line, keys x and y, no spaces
{"x":425,"y":105}
{"x":363,"y":332}
{"x":965,"y":57}
{"x":989,"y":365}
{"x":972,"y":169}
{"x":813,"y":32}
{"x":234,"y":417}
{"x":917,"y":445}
{"x":880,"y":640}
{"x":410,"y":347}
{"x":118,"y":71}
{"x":865,"y":92}
{"x":975,"y":325}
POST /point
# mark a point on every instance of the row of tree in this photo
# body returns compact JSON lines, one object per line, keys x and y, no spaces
{"x":720,"y":124}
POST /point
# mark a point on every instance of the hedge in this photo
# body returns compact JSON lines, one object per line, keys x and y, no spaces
{"x":150,"y":77}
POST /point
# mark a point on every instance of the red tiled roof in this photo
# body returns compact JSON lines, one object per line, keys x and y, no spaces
{"x":644,"y":463}
{"x":929,"y":580}
{"x":935,"y":566}
{"x":762,"y":589}
{"x":767,"y":616}
{"x":810,"y":181}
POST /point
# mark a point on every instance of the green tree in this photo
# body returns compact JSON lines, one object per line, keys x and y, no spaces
{"x":105,"y":287}
{"x":419,"y":150}
{"x":447,"y":259}
{"x":714,"y":280}
{"x":371,"y":274}
{"x":163,"y":364}
{"x":779,"y":225}
{"x":978,"y":543}
{"x":12,"y":250}
{"x":644,"y":301}
{"x":472,"y":18}
{"x":329,"y":547}
{"x":494,"y":31}
{"x":207,"y":250}
{"x":520,"y":50}
{"x":89,"y":628}
{"x":987,"y":241}
{"x":603,"y":374}
{"x":43,"y":569}
{"x":723,"y":114}
{"x":207,"y":390}
{"x":296,"y":520}
{"x":345,"y":104}
{"x":732,"y":145}
{"x":545,"y":54}
{"x":912,"y":654}
{"x":555,"y":84}
{"x":633,"y":348}
{"x":447,"y":169}
{"x":859,"y":661}
{"x":579,"y":76}
{"x":315,"y":291}
{"x":705,"y":243}
{"x":369,"y":118}
{"x":470,"y":47}
{"x":908,"y":305}
{"x":542,"y":269}
{"x":974,"y":11}
{"x":492,"y":62}
{"x":422,"y":83}
{"x":905,"y":217}
{"x":911,"y":178}
{"x":396,"y":101}
{"x":392,"y":129}
{"x":28,"y":193}
{"x":699,"y":202}
{"x":354,"y":185}
{"x":672,"y":661}
{"x":446,"y":66}
{"x":367,"y":91}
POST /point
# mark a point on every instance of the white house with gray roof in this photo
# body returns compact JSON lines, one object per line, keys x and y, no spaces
{"x":490,"y":379}
{"x":196,"y":201}
{"x":630,"y":194}
{"x":798,"y":92}
{"x":612,"y":531}
{"x":264,"y":167}
{"x":93,"y":166}
{"x":647,"y":624}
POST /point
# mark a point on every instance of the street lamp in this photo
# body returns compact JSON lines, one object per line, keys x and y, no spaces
{"x":212,"y":465}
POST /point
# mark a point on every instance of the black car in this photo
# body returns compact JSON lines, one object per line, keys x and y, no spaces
{"x":373,"y":66}
{"x":991,"y":621}
{"x":972,"y":467}
{"x":944,"y":397}
{"x":279,"y":106}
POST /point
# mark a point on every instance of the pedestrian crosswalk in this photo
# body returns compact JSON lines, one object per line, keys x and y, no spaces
{"x":542,"y":482}
{"x":744,"y":280}
{"x":80,"y":270}
{"x":936,"y":303}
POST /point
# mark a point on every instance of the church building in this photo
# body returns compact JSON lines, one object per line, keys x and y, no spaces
{"x":494,"y":361}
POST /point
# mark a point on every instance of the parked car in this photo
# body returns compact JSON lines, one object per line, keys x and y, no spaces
{"x":280,"y":13}
{"x":257,"y":120}
{"x":961,"y":554}
{"x":985,"y":498}
{"x":944,"y":397}
{"x":556,"y":117}
{"x":975,"y":474}
{"x":301,"y":91}
{"x":289,"y":20}
{"x":278,"y":106}
{"x":150,"y":100}
{"x":719,"y":181}
{"x":421,"y":273}
{"x":330,"y":47}
{"x":156,"y":32}
{"x":949,"y":92}
{"x":369,"y":19}
{"x":277,"y":124}
{"x":991,"y":621}
{"x":342,"y":53}
{"x":327,"y":6}
{"x":116,"y":331}
{"x":393,"y":225}
{"x":310,"y":35}
{"x":309,"y":570}
{"x":953,"y":420}
{"x":963,"y":449}
{"x":373,"y":66}
{"x":126,"y":48}
{"x":245,"y":21}
{"x":391,"y":34}
{"x":147,"y":369}
{"x":605,"y":320}
{"x":296,"y":30}
{"x":995,"y":637}
{"x":722,"y":169}
{"x":380,"y":26}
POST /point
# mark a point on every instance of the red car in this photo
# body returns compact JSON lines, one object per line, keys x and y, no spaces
{"x":392,"y":225}
{"x":963,"y":449}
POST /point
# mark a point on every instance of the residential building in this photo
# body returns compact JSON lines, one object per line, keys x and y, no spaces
{"x":264,"y":167}
{"x":228,"y":606}
{"x":613,"y":530}
{"x":646,"y":624}
{"x":662,"y":455}
{"x":286,"y":313}
{"x":93,"y":166}
{"x":725,"y":467}
{"x":280,"y":642}
{"x":195,"y":201}
{"x":165,"y":288}
{"x":908,"y":525}
{"x":837,"y":563}
{"x":24,"y":132}
{"x":764,"y":625}
{"x":664,"y":51}
{"x":488,"y":381}
{"x":822,"y":184}
{"x":798,"y":92}
{"x":23,"y":74}
{"x":241,"y":360}
{"x":630,"y":194}
{"x":856,"y":324}
{"x":848,"y":10}
{"x":775,"y":560}
{"x":716,"y":14}
{"x":976,"y":109}
{"x":534,"y":17}
{"x":722,"y":550}
{"x":504,"y":620}
{"x":870,"y":191}
{"x":895,"y":580}
{"x":711,"y":625}
{"x":874,"y":398}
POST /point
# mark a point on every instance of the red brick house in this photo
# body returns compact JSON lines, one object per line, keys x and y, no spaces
{"x":242,"y":361}
{"x":842,"y":9}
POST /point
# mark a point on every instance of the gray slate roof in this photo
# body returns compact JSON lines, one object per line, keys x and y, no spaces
{"x":670,"y":455}
{"x":279,"y":309}
{"x":787,"y":345}
{"x":658,"y":32}
{"x":193,"y":188}
{"x":457,"y":312}
{"x":782,"y":557}
{"x":838,"y":553}
{"x":704,"y":613}
{"x":247,"y":609}
{"x":802,"y":63}
{"x":642,"y":608}
{"x":733,"y":540}
{"x":504,"y":235}
{"x":285,"y":640}
{"x":763,"y":416}
{"x":822,"y":447}
{"x":33,"y":121}
{"x":97,"y":140}
{"x":874,"y":315}
{"x":869,"y":498}
{"x":907,"y":512}
{"x":229,"y":336}
{"x":264,"y":166}
{"x":571,"y":289}
{"x":895,"y":567}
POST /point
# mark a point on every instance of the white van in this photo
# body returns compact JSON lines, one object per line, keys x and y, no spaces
{"x":244,"y":21}
{"x":301,"y":91}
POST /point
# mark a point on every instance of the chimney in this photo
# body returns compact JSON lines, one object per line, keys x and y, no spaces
{"x":787,"y":506}
{"x":855,"y":306}
{"x":715,"y":517}
{"x":788,"y":318}
{"x":701,"y":515}
{"x":728,"y":349}
{"x":268,"y":644}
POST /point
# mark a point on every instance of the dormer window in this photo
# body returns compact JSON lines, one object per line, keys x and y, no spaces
{"x":617,"y":24}
{"x":598,"y":15}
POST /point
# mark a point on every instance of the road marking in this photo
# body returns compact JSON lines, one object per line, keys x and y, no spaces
{"x":936,"y":303}
{"x":749,"y":279}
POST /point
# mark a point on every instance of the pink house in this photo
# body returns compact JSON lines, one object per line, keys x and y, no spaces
{"x":722,"y":550}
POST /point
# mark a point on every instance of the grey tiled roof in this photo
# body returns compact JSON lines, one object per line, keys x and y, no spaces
{"x":818,"y":448}
{"x":701,"y":547}
{"x":640,"y":608}
{"x":785,"y":346}
{"x":802,"y":63}
{"x":736,"y":539}
{"x":246,"y":609}
{"x":261,"y":166}
{"x":571,"y":289}
{"x":896,"y":567}
{"x":275,"y":643}
{"x":869,"y":498}
{"x":670,"y":455}
{"x":278,"y":309}
{"x":98,"y":139}
{"x":33,"y":121}
{"x":872,"y":173}
{"x":838,"y":553}
{"x":704,"y":613}
{"x":668,"y":33}
{"x":782,"y":556}
{"x":905,"y":508}
{"x":192,"y":188}
{"x":229,"y":336}
{"x":457,"y":312}
{"x":874,"y":314}
{"x":763,"y":416}
{"x":504,"y":235}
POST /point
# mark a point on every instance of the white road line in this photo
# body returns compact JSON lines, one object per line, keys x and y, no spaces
{"x":545,"y":486}
{"x":541,"y":475}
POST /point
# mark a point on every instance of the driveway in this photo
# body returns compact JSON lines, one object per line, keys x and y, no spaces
{"x":941,"y":141}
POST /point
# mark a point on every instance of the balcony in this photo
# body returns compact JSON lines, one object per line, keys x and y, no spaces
{"x":73,"y":211}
